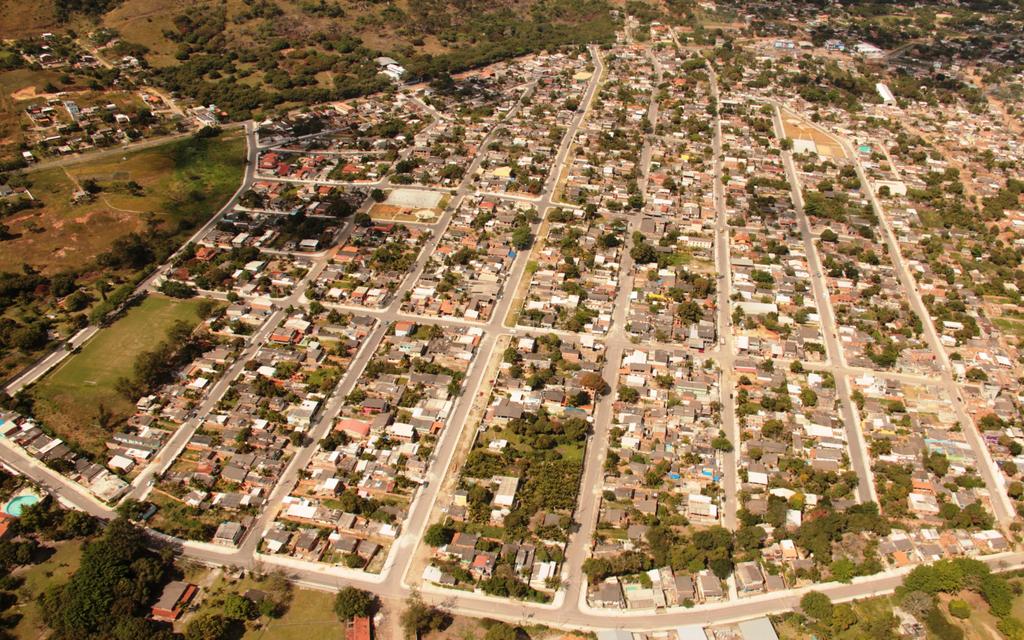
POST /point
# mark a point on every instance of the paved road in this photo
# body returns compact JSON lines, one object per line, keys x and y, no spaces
{"x":727,"y":352}
{"x":986,"y":466}
{"x":859,"y":455}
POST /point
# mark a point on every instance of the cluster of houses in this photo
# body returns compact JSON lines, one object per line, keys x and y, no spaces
{"x":927,"y":460}
{"x":755,"y":629}
{"x":774,"y":310}
{"x":672,"y":298}
{"x":576,"y":280}
{"x":472,"y":105}
{"x":543,"y":382}
{"x":370,"y":265}
{"x":348,"y":506}
{"x":466,"y":274}
{"x":522,"y":151}
{"x":794,"y":444}
{"x":471,"y":558}
{"x":243,"y":271}
{"x":871,"y":310}
{"x":968,"y":152}
{"x":134,"y":444}
{"x":665,"y":423}
{"x":234,"y":458}
{"x":75,"y":119}
{"x":355,"y":141}
{"x":54,"y":452}
{"x":606,"y":151}
{"x":928,"y":157}
{"x":310,"y":199}
{"x":663,"y":587}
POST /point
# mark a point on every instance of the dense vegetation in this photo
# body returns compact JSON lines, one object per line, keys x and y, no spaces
{"x":110,"y":594}
{"x":264,"y":55}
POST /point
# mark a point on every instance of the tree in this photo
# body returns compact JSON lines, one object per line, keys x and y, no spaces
{"x":238,"y":607}
{"x":117,"y":579}
{"x":816,"y":605}
{"x":593,"y":381}
{"x":843,"y":570}
{"x":721,"y":567}
{"x":438,"y":534}
{"x":207,"y":626}
{"x":917,"y":604}
{"x":937,"y":463}
{"x":378,"y":195}
{"x":628,"y":395}
{"x":205,"y":308}
{"x":522,"y":238}
{"x":843,"y":618}
{"x":643,"y":253}
{"x":942,"y":576}
{"x":76,"y":301}
{"x":351,"y":602}
{"x":689,"y":311}
{"x":30,"y":337}
{"x":722,"y":443}
{"x":419,"y":618}
{"x":1015,"y":489}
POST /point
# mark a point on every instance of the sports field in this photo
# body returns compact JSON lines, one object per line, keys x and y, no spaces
{"x":69,"y":398}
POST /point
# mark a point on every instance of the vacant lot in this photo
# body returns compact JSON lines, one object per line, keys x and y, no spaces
{"x":182,"y":182}
{"x":308,"y":613}
{"x":796,"y":128}
{"x":70,"y":398}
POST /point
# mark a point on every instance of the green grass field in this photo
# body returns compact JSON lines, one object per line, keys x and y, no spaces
{"x":185,"y":180}
{"x":68,"y":399}
{"x":310,"y":615}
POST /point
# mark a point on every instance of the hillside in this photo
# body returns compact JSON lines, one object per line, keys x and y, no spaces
{"x":252,"y":55}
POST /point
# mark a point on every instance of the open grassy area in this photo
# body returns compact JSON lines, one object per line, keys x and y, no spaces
{"x":24,"y":19}
{"x":184,"y":181}
{"x":1010,"y":325}
{"x":55,"y":570}
{"x":796,"y":128}
{"x":70,"y":397}
{"x":310,"y":615}
{"x":981,"y":625}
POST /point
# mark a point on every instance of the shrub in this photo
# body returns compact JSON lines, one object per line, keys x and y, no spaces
{"x":959,"y":609}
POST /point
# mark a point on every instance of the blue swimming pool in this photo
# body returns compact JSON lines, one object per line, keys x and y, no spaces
{"x":17,"y":504}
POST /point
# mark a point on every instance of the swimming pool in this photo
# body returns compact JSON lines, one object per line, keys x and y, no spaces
{"x":18,"y":503}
